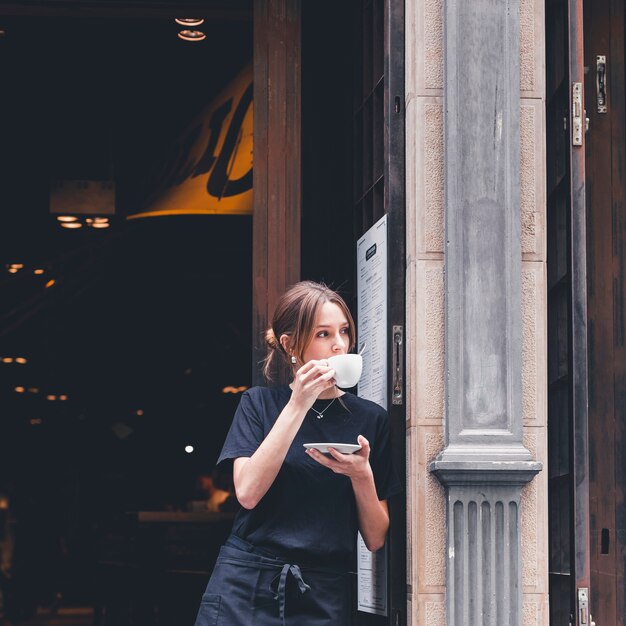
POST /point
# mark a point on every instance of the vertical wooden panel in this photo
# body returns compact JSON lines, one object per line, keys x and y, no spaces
{"x":606,"y":146}
{"x":277,"y":162}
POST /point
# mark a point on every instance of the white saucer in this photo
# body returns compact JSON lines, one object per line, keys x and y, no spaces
{"x":344,"y":448}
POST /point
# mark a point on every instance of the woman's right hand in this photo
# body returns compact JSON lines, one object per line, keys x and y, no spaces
{"x":310,"y":381}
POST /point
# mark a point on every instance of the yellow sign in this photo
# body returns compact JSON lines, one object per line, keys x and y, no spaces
{"x":210,"y":169}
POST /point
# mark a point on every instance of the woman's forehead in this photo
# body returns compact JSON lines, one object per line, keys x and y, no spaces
{"x":330,"y":314}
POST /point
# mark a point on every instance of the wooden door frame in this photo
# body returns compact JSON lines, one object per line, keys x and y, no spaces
{"x":277,"y":188}
{"x":578,"y":260}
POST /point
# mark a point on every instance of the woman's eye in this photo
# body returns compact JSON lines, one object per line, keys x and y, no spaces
{"x":345,"y":330}
{"x":322,"y":334}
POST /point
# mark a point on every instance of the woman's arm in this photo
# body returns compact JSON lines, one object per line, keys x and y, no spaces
{"x":373,"y":513}
{"x":254,"y":475}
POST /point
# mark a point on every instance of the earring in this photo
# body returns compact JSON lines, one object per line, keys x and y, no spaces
{"x":293,"y":359}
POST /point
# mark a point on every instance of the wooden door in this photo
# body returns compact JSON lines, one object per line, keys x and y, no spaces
{"x":606,"y":182}
{"x":568,"y":482}
{"x":378,"y":189}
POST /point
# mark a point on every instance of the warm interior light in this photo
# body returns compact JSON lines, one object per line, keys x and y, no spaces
{"x":63,"y":397}
{"x":38,"y":271}
{"x":51,"y":397}
{"x":50,"y":283}
{"x":17,"y":266}
{"x":192,"y":35}
{"x":71,"y":225}
{"x":190,"y":21}
{"x":231,"y":389}
{"x":13,"y":270}
{"x":67,"y":218}
{"x":35,"y":421}
{"x":21,"y":360}
{"x":139,"y":412}
{"x":101,"y":220}
{"x":100,"y":225}
{"x":33,"y":390}
{"x":7,"y":359}
{"x":20,"y":390}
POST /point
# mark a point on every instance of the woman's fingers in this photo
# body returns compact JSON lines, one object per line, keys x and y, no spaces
{"x":365,"y":445}
{"x":346,"y":464}
{"x":314,"y":373}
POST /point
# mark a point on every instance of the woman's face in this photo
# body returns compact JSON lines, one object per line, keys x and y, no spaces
{"x":331,"y":334}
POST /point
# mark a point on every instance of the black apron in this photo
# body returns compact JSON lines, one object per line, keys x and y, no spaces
{"x":250,"y":587}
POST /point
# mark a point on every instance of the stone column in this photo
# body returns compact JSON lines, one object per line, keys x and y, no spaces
{"x":484,"y":464}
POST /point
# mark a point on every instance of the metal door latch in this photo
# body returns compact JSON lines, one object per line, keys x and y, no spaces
{"x":601,"y":83}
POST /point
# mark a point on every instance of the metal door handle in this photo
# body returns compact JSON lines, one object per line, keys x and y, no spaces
{"x":398,"y":365}
{"x":601,"y":83}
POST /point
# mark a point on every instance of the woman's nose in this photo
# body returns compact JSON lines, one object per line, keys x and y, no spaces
{"x":340,"y":343}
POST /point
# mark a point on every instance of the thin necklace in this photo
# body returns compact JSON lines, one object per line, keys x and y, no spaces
{"x":320,"y":414}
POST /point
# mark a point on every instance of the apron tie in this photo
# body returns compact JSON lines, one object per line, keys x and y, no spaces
{"x":280,"y":594}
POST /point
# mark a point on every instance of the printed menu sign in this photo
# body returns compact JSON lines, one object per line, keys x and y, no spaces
{"x":372,"y":329}
{"x":372,"y":311}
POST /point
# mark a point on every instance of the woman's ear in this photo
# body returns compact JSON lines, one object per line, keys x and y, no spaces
{"x":284,"y":342}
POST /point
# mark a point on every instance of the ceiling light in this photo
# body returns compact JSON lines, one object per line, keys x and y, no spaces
{"x":38,"y":271}
{"x":36,"y":421}
{"x":100,"y":225}
{"x":188,"y":449}
{"x":67,"y":218}
{"x":7,"y":359}
{"x":21,"y":360}
{"x":190,"y":21}
{"x":50,"y":283}
{"x":33,"y":390}
{"x":63,"y":398}
{"x":17,"y":266}
{"x":13,"y":270}
{"x":71,"y":225}
{"x":51,"y":397}
{"x":139,"y":412}
{"x":192,"y":35}
{"x":20,"y":390}
{"x":101,"y":220}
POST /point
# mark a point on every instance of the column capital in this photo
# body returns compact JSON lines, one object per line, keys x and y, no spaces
{"x":460,"y":465}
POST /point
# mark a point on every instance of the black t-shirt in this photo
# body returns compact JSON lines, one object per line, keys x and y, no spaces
{"x":309,"y":513}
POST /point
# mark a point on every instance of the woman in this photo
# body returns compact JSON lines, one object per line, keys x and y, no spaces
{"x":293,"y":543}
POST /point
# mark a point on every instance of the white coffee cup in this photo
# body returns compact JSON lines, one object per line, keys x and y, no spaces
{"x":348,"y":368}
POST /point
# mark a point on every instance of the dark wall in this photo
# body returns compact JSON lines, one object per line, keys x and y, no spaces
{"x":328,"y":246}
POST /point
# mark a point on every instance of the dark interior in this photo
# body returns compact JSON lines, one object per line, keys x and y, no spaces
{"x":146,"y":322}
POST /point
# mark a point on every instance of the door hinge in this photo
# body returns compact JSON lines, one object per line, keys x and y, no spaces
{"x":577,"y":114}
{"x":583,"y":607}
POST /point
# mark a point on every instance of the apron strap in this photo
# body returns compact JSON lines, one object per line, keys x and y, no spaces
{"x":280,"y":595}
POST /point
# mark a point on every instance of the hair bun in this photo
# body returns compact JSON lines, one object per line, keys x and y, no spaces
{"x":270,"y":339}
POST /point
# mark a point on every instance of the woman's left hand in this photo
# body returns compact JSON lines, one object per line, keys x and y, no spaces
{"x":356,"y":466}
